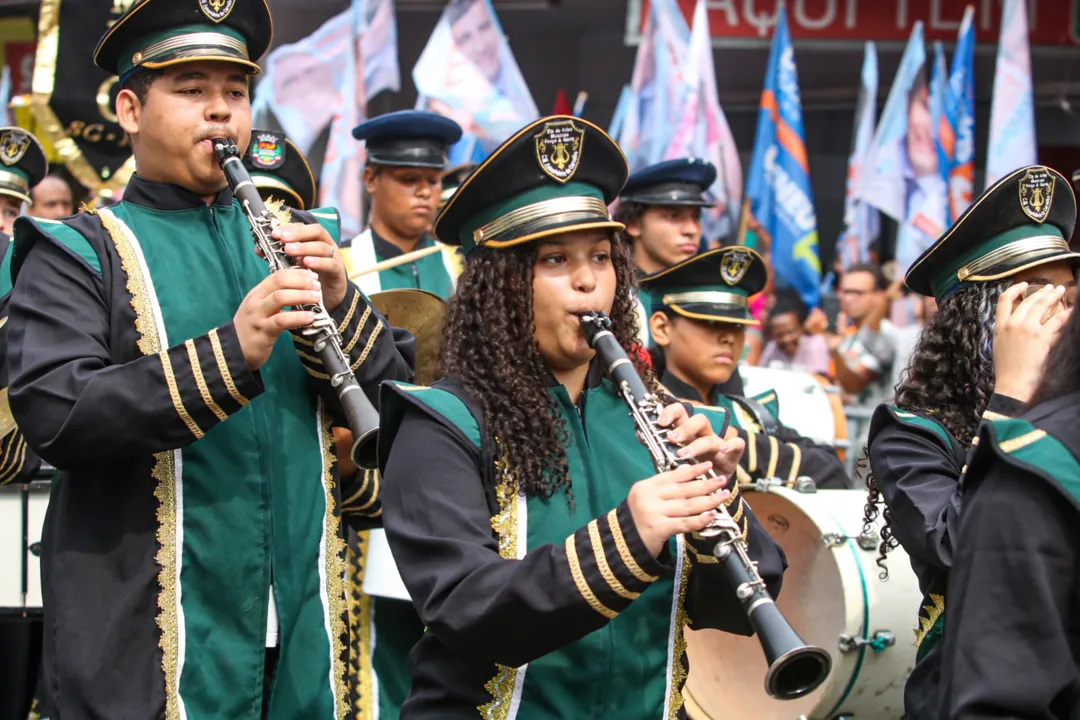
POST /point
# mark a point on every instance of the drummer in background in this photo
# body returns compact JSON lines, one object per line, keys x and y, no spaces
{"x":550,"y":564}
{"x":661,"y":208}
{"x":280,"y":172}
{"x":1003,"y":267}
{"x":406,"y":158}
{"x":700,"y":311}
{"x":23,"y":166}
{"x":1012,"y":636}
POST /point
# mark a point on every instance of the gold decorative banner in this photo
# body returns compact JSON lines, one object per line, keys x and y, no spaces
{"x":72,"y":99}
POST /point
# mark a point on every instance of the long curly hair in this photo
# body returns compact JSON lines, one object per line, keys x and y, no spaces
{"x":489,"y":347}
{"x":950,"y":377}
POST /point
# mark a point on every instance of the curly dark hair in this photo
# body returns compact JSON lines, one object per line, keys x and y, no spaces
{"x":490,"y":348}
{"x":950,"y":376}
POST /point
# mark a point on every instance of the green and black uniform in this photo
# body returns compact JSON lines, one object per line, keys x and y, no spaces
{"x":1013,"y":629}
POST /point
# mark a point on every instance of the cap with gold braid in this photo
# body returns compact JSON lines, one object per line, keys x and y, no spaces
{"x":714,"y":286}
{"x":279,"y":169}
{"x":1023,"y":220}
{"x":22,"y":163}
{"x":155,"y":34}
{"x":555,"y":175}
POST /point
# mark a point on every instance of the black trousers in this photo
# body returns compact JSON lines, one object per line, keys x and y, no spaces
{"x":20,"y":665}
{"x":268,"y":677}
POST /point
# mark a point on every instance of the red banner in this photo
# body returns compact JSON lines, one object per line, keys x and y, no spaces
{"x":1053,"y":22}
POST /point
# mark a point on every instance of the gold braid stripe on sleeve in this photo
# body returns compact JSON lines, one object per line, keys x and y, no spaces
{"x":624,"y":551}
{"x":367,"y":348}
{"x":796,"y":462}
{"x":774,"y":450}
{"x":605,"y":569}
{"x":174,"y":393}
{"x":359,"y":327}
{"x":582,"y":583}
{"x":196,"y":370}
{"x":223,"y":368}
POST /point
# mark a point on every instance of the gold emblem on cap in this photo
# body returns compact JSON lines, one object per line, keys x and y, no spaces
{"x":136,"y":58}
{"x":558,"y":148}
{"x":13,"y":145}
{"x":217,"y":10}
{"x":734,"y":264}
{"x":1037,"y":193}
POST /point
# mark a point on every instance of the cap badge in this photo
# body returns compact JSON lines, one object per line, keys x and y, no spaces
{"x":216,"y":10}
{"x":558,"y":148}
{"x":268,"y":151}
{"x":13,"y":145}
{"x":734,"y":264}
{"x":1037,"y":193}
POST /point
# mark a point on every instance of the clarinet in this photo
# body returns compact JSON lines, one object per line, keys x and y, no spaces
{"x":795,"y":668}
{"x":363,"y":419}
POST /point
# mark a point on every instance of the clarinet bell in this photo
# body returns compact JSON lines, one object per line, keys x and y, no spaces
{"x":795,"y":668}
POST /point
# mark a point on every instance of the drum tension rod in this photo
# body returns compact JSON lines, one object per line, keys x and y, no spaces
{"x":866,"y":542}
{"x":881,"y":640}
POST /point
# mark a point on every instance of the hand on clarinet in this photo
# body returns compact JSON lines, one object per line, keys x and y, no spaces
{"x":314,"y":249}
{"x":262,"y":317}
{"x":676,"y":502}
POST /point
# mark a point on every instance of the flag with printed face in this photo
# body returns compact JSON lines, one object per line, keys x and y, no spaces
{"x":703,"y":131}
{"x":1012,"y":111}
{"x":467,"y":72}
{"x":778,"y":210}
{"x":862,"y":222}
{"x":962,"y":89}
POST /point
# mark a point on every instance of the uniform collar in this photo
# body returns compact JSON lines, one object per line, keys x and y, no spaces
{"x":386,"y":249}
{"x":681,"y":390}
{"x":166,"y":196}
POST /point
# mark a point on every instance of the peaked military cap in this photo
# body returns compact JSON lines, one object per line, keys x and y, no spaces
{"x":555,"y":175}
{"x":279,"y":169}
{"x":453,"y":178}
{"x":22,"y":163}
{"x":672,"y":182}
{"x":155,"y":34}
{"x":1023,"y":220}
{"x":408,"y":138}
{"x":714,"y":286}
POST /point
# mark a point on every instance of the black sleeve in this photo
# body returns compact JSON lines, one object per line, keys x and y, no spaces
{"x":75,"y":405}
{"x":361,"y":505}
{"x":710,"y":597}
{"x":919,"y":480}
{"x":18,"y":463}
{"x":478,"y":603}
{"x":1010,"y":629}
{"x":788,"y":455}
{"x":376,"y":351}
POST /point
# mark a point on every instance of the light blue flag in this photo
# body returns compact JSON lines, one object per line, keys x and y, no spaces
{"x":943,"y":120}
{"x":1012,"y":111}
{"x":962,"y":89}
{"x":779,"y":206}
{"x":467,"y":72}
{"x":862,"y":222}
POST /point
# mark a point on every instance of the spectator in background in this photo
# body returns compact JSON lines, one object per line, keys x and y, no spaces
{"x":51,"y":198}
{"x":791,"y":347}
{"x":863,"y":353}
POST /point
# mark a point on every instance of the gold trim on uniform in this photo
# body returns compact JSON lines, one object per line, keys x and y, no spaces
{"x":335,"y":570}
{"x":583,"y":584}
{"x":363,"y":486}
{"x":1017,"y":443}
{"x":624,"y":550}
{"x":751,"y":451}
{"x":711,"y":298}
{"x":1010,"y":251}
{"x":223,"y":368}
{"x":13,"y":460}
{"x":374,"y":493}
{"x":352,"y":309}
{"x":16,"y":182}
{"x":359,"y":326}
{"x":990,"y":415}
{"x":191,"y":41}
{"x":605,"y":569}
{"x":679,"y":671}
{"x":796,"y":461}
{"x":313,"y":359}
{"x":7,"y":419}
{"x":703,"y":559}
{"x":200,"y":381}
{"x":174,"y":393}
{"x":368,"y":347}
{"x":933,"y":611}
{"x":774,"y":453}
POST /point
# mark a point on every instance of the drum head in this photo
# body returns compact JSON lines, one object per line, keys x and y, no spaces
{"x":727,"y":672}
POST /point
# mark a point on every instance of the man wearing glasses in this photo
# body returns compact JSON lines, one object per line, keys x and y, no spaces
{"x":863,"y":355}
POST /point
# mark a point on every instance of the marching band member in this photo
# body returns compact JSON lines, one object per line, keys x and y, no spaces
{"x":280,"y":172}
{"x":1001,"y":268}
{"x":661,"y":208}
{"x":699,"y":314}
{"x":406,"y":157}
{"x":197,"y":495}
{"x":1012,"y":589}
{"x":552,"y":568}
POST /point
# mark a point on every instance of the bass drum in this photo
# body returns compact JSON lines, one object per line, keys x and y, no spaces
{"x":834,"y":597}
{"x":807,"y":402}
{"x":22,"y":516}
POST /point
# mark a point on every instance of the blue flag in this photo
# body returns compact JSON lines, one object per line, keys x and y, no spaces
{"x":962,"y":88}
{"x":778,"y":210}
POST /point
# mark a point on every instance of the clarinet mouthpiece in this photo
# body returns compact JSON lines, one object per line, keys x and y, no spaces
{"x":225,"y":148}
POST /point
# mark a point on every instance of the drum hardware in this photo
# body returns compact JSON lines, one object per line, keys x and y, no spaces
{"x":803,"y":484}
{"x":881,"y":641}
{"x":864,"y":541}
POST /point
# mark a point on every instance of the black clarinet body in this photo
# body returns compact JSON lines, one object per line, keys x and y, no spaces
{"x":795,"y":668}
{"x":361,"y":415}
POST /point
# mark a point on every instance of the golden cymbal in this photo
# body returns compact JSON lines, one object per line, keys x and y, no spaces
{"x":422,"y":313}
